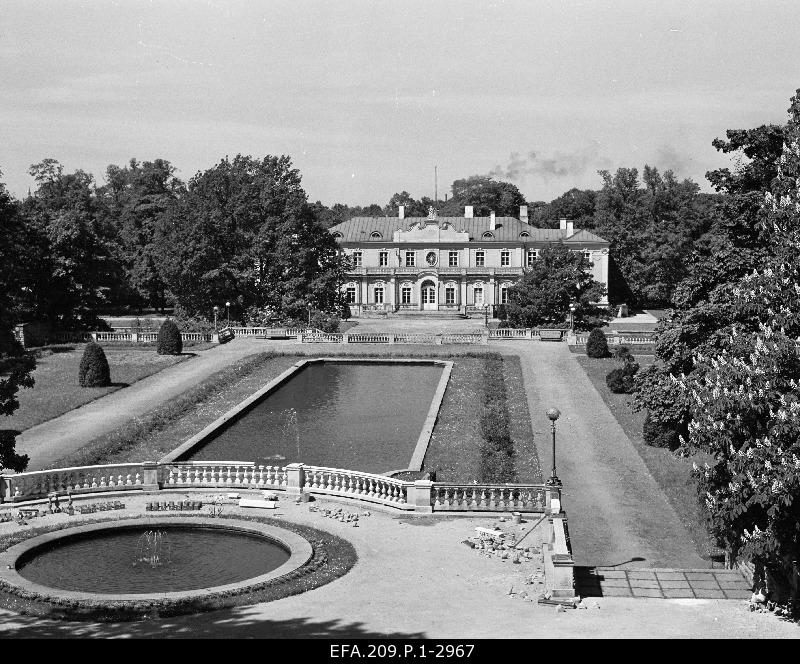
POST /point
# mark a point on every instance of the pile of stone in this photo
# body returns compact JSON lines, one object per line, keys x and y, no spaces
{"x":760,"y":604}
{"x":339,"y":515}
{"x":493,"y":542}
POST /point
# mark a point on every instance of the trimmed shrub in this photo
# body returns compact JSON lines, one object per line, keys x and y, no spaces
{"x":93,"y":370}
{"x":620,"y":380}
{"x":325,"y":322}
{"x":169,"y":339}
{"x":623,"y":354}
{"x":660,"y":434}
{"x":497,"y":449}
{"x":596,"y":344}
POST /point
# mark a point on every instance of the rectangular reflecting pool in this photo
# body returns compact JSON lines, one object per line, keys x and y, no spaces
{"x":363,"y":416}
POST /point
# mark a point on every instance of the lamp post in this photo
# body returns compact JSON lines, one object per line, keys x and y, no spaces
{"x":308,"y":306}
{"x":228,"y":309}
{"x":553,"y":414}
{"x":572,"y":307}
{"x":486,"y":315}
{"x":216,"y":311}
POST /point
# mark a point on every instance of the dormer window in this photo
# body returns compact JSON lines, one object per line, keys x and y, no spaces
{"x":337,"y":235}
{"x":375,"y":235}
{"x":487,"y":235}
{"x":524,"y":234}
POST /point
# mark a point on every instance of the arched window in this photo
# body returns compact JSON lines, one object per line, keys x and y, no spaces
{"x":337,"y":235}
{"x":524,"y":234}
{"x":375,"y":235}
{"x":488,"y":235}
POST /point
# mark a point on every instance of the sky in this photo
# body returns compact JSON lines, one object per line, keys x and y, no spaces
{"x":367,"y":97}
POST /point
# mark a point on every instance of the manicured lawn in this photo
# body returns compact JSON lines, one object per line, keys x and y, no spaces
{"x":671,"y":473}
{"x":57,"y":391}
{"x":453,"y":450}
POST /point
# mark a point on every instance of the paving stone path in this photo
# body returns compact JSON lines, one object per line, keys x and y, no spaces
{"x":662,"y":582}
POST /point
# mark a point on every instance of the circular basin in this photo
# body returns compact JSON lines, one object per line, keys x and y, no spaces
{"x":154,"y":558}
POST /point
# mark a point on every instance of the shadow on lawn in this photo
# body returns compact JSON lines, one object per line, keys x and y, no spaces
{"x":239,"y":622}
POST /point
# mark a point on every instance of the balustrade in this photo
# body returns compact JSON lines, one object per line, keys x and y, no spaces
{"x":363,"y":486}
{"x":489,"y":498}
{"x":87,"y":479}
{"x":368,"y":487}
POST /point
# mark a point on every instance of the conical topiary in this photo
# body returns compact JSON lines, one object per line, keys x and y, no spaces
{"x":93,"y":370}
{"x":596,"y":344}
{"x":169,"y":339}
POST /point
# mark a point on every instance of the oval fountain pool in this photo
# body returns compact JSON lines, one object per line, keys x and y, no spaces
{"x":166,"y":558}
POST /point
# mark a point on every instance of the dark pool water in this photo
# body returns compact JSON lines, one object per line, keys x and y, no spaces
{"x":359,"y":416}
{"x":190,"y":558}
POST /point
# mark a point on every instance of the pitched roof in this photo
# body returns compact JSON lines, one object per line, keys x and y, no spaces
{"x":507,"y":229}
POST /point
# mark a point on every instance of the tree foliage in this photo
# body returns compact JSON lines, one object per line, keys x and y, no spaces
{"x":542,"y":296}
{"x":728,"y":365}
{"x":16,"y":366}
{"x":245,"y":233}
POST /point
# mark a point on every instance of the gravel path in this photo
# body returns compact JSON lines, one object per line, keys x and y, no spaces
{"x":52,"y":440}
{"x":617,"y":513}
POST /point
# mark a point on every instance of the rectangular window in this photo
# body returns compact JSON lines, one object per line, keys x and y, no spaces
{"x":505,"y":258}
{"x":411,"y":259}
{"x":356,"y":259}
{"x":383,"y":258}
{"x":453,"y":259}
{"x":350,"y":294}
{"x":379,"y":295}
{"x":587,"y":254}
{"x":478,"y":296}
{"x":533,"y":255}
{"x":405,"y":295}
{"x":504,"y":295}
{"x":449,"y":295}
{"x":480,"y":259}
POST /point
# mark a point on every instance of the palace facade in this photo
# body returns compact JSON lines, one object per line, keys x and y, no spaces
{"x":458,"y":264}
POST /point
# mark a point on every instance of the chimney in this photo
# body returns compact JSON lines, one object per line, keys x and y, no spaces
{"x":562,"y":224}
{"x":570,"y":228}
{"x":492,"y":221}
{"x":468,"y":212}
{"x":523,"y":214}
{"x":401,"y":212}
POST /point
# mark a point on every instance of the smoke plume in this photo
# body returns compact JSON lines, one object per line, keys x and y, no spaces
{"x":559,"y":165}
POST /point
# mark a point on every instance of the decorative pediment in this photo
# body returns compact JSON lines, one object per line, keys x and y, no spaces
{"x":430,"y":231}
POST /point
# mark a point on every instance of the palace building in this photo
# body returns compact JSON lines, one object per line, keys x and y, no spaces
{"x":457,"y":264}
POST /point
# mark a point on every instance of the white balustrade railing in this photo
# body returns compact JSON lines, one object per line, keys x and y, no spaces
{"x":464,"y":338}
{"x":294,"y":478}
{"x":367,"y":338}
{"x":489,"y":498}
{"x":83,"y":479}
{"x":354,"y":484}
{"x":220,"y":474}
{"x":321,"y":338}
{"x":510,"y":333}
{"x":415,"y":338}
